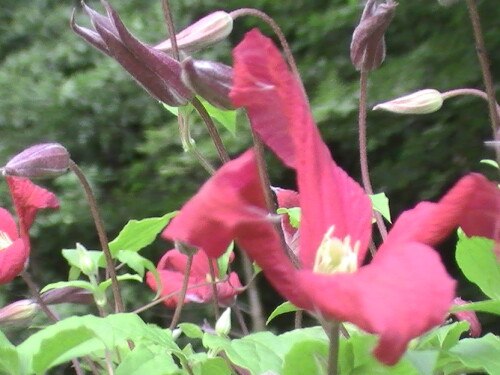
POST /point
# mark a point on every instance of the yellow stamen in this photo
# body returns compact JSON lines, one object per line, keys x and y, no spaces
{"x":335,"y":255}
{"x":5,"y":240}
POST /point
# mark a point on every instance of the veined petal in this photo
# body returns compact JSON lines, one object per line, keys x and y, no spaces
{"x":28,"y":198}
{"x":403,"y":293}
{"x":473,"y":203}
{"x":280,"y":114}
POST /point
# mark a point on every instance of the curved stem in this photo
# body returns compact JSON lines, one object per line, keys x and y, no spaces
{"x":171,"y":28}
{"x":213,"y":284}
{"x":103,"y":238}
{"x":182,"y":294}
{"x":277,"y":30}
{"x":467,"y":91}
{"x":212,"y":130}
{"x":363,"y":154}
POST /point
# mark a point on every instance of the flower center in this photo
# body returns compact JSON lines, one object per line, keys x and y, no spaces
{"x":335,"y":255}
{"x":5,"y":240}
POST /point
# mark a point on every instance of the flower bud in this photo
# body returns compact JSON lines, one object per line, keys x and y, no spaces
{"x":368,"y":44}
{"x":223,"y":324}
{"x":19,"y":312}
{"x":469,"y":316}
{"x":68,"y":294}
{"x":204,"y":32}
{"x":39,"y":161}
{"x":418,"y":103}
{"x":86,"y":263}
{"x":186,"y":249}
{"x":211,"y":80}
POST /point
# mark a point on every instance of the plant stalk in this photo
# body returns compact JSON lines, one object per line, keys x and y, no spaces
{"x":182,"y":294}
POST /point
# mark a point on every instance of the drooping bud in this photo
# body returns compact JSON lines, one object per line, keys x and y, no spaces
{"x":69,"y":294}
{"x":211,"y":80}
{"x":18,"y":313}
{"x":203,"y":33}
{"x":447,"y":3}
{"x":368,"y":44}
{"x":39,"y":161}
{"x":469,"y":316}
{"x":417,"y":103}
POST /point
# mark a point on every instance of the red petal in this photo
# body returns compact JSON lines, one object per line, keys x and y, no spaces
{"x":231,"y":196}
{"x":280,"y":114}
{"x":403,"y":293}
{"x":28,"y":199}
{"x":12,"y":260}
{"x":8,"y":224}
{"x":473,"y":203}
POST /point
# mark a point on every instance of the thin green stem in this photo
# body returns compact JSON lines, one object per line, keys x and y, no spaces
{"x":182,"y":294}
{"x":363,"y":153}
{"x":212,"y":129}
{"x":333,"y":349}
{"x":103,"y":238}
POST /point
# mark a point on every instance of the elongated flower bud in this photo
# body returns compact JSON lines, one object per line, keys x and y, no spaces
{"x":211,"y":80}
{"x":39,"y":161}
{"x":368,"y":44}
{"x":203,"y":33}
{"x":68,"y":294}
{"x":18,"y":312}
{"x":418,"y":103}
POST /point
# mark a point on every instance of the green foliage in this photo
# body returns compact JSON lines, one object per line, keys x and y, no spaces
{"x":284,"y":308}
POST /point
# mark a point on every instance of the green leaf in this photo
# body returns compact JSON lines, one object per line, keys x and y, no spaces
{"x":9,"y":359}
{"x":477,"y":260}
{"x":150,"y":360}
{"x":293,"y":214}
{"x":73,"y":256}
{"x":138,"y":234}
{"x":127,"y":276}
{"x":223,"y":260}
{"x":443,"y":337}
{"x":226,"y":118}
{"x":136,"y":261}
{"x":481,"y":354}
{"x":424,"y":361}
{"x":191,"y":330}
{"x":490,"y":306}
{"x":380,"y":204}
{"x":202,"y":365}
{"x":306,"y":357}
{"x":490,"y":162}
{"x":75,"y":337}
{"x":284,"y":308}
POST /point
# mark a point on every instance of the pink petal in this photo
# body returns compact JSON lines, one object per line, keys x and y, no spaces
{"x":469,"y":316}
{"x":472,"y":203}
{"x":209,"y":219}
{"x":8,"y":224}
{"x":28,"y":199}
{"x":402,"y":294}
{"x":280,"y":114}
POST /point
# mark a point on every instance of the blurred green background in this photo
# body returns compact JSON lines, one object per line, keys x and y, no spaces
{"x":56,"y":88}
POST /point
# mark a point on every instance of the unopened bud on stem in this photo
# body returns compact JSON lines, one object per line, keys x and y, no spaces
{"x":203,"y":33}
{"x":18,"y":312}
{"x":39,"y":161}
{"x":418,"y":103}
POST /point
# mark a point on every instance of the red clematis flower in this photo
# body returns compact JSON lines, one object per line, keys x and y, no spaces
{"x":171,"y":268}
{"x":403,"y":292}
{"x":15,"y":245}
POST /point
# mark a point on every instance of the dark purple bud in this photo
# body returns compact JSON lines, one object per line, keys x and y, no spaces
{"x":67,"y":294}
{"x":44,"y":160}
{"x":368,"y":44}
{"x":211,"y":80}
{"x":156,"y":72}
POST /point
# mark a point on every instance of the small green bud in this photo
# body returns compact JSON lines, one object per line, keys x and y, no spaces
{"x":418,"y":103}
{"x":223,"y":324}
{"x":87,"y":264}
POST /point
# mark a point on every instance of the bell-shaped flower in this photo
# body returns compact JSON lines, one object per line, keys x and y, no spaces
{"x":368,"y":43}
{"x":403,"y":292}
{"x":15,"y":244}
{"x":171,"y":268}
{"x":158,"y":73}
